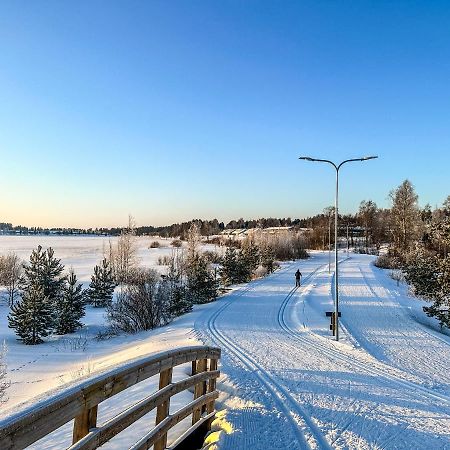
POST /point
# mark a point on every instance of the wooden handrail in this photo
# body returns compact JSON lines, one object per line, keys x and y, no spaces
{"x":81,"y":402}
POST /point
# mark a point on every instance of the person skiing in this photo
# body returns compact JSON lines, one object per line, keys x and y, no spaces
{"x":298,"y":276}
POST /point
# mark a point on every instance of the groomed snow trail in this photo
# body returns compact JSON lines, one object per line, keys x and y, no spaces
{"x":289,"y":385}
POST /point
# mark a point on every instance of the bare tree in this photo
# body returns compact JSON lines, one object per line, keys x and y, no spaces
{"x":123,"y":257}
{"x":193,"y":240}
{"x":11,"y":268}
{"x":404,"y":216}
{"x":368,"y":216}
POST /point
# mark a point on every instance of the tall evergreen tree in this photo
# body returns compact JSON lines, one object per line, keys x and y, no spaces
{"x":229,"y":270}
{"x":102,"y":285}
{"x":179,"y":302}
{"x":31,"y":316}
{"x":248,"y":261}
{"x":70,"y":306}
{"x":52,"y":279}
{"x":201,"y":284}
{"x":268,"y":258}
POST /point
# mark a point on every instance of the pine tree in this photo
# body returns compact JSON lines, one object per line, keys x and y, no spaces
{"x":44,"y":270}
{"x":70,"y":306}
{"x":52,"y":280}
{"x":268,"y":258}
{"x":248,"y":261}
{"x":31,"y":316}
{"x":441,"y":305}
{"x":229,"y":270}
{"x":201,"y":284}
{"x":179,"y":302}
{"x":102,"y":285}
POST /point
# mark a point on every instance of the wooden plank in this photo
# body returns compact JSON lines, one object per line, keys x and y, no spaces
{"x":83,"y":423}
{"x":200,"y":389}
{"x":28,"y":426}
{"x":203,"y":421}
{"x":114,"y":426}
{"x":212,"y":385}
{"x":162,"y":411}
{"x":150,"y":438}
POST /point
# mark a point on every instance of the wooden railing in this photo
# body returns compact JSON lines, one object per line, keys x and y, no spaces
{"x":82,"y":401}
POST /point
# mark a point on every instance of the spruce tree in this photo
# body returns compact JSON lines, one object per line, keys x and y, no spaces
{"x":102,"y":285}
{"x":31,"y":316}
{"x":70,"y":306}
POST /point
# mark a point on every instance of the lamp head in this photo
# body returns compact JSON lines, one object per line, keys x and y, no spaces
{"x":366,"y":158}
{"x":306,"y":158}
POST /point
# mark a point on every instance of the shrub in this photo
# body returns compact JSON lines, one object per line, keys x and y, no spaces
{"x":141,"y":305}
{"x":387,"y":262}
{"x":176,"y":243}
{"x":154,"y":244}
{"x":164,"y":260}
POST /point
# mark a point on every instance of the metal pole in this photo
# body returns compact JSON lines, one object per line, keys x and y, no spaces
{"x":329,"y":242}
{"x":336,"y":269}
{"x":336,"y":266}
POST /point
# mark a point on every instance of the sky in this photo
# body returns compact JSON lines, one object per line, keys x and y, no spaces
{"x":173,"y":110}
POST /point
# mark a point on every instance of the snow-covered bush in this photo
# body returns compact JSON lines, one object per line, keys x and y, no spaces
{"x":154,"y":244}
{"x":387,"y":261}
{"x":141,"y":305}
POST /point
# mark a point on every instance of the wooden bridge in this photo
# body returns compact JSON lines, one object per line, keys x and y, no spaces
{"x":81,"y":403}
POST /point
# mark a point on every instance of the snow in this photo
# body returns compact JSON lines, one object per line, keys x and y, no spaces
{"x":285,"y":382}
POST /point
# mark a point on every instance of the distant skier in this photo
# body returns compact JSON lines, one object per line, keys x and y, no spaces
{"x":298,"y":276}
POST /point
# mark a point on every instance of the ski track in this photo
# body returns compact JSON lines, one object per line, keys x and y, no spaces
{"x":417,"y":344}
{"x":332,"y":353}
{"x":284,"y":410}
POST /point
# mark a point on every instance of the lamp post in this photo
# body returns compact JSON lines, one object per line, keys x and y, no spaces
{"x":336,"y":266}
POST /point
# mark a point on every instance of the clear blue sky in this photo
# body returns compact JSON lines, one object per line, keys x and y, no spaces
{"x":171,"y":110}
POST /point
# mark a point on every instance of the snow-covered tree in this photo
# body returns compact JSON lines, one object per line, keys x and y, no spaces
{"x":101,"y":288}
{"x":70,"y":306}
{"x":40,"y":286}
{"x":32,"y":316}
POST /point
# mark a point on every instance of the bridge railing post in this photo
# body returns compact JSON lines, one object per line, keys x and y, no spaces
{"x":200,"y":388}
{"x":162,"y":411}
{"x":83,"y":423}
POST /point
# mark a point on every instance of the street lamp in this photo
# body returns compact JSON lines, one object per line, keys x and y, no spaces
{"x":336,"y":267}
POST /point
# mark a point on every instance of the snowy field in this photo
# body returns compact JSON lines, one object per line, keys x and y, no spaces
{"x":286,"y":383}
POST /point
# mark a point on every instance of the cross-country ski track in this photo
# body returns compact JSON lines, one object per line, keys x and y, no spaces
{"x":288,"y":384}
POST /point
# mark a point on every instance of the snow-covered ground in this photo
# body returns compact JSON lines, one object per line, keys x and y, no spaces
{"x":290,"y":385}
{"x":286,"y":383}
